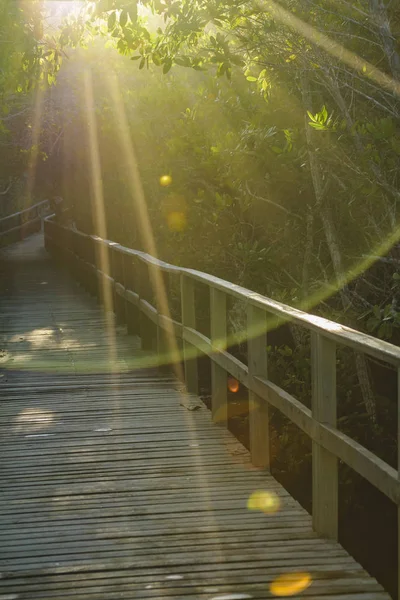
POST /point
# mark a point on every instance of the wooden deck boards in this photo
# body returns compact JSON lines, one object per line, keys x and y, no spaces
{"x":110,"y":488}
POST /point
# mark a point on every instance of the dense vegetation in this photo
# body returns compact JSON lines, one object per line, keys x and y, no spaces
{"x":267,"y":137}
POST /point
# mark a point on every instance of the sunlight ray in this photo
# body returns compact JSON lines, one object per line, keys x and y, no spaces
{"x":102,"y":255}
{"x":138,"y":196}
{"x":146,"y":231}
{"x":332,"y":47}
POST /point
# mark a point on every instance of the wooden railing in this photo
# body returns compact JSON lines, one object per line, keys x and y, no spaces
{"x":129,"y":276}
{"x":17,"y":226}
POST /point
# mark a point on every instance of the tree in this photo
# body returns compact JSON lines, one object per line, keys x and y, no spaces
{"x":29,"y":61}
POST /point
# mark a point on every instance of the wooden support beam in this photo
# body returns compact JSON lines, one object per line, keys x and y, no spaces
{"x":146,"y":327}
{"x":257,"y":365}
{"x":117,"y":272}
{"x":219,"y":383}
{"x":163,"y":345}
{"x":324,"y":463}
{"x":131,"y":311}
{"x":189,"y":320}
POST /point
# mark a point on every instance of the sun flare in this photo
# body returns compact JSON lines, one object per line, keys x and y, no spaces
{"x":63,"y":8}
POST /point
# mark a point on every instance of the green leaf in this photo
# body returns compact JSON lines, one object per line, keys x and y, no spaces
{"x":311,"y":116}
{"x":318,"y":126}
{"x":132,"y":11}
{"x":377,"y":312}
{"x":221,"y":69}
{"x":251,"y":78}
{"x":167,"y":65}
{"x":112,"y":19}
{"x":142,"y":63}
{"x":183,"y":61}
{"x":387,"y":310}
{"x":123,"y":18}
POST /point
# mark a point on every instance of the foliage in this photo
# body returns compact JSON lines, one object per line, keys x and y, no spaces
{"x":29,"y":60}
{"x":267,"y":138}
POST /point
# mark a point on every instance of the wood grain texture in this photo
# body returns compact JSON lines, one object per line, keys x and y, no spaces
{"x":189,"y":320}
{"x":219,"y":379}
{"x":324,"y":463}
{"x":110,"y":488}
{"x":258,"y":407}
{"x":327,"y":440}
{"x":283,"y":313}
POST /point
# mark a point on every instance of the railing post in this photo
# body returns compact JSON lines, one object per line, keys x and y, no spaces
{"x":324,"y":464}
{"x":90,"y":257}
{"x":257,"y":365}
{"x":99,"y":277}
{"x":103,"y":264}
{"x":189,"y":320}
{"x":76,"y":263}
{"x":131,"y":311}
{"x":145,"y":326}
{"x":41,"y":215}
{"x":219,"y":395}
{"x":117,"y":274}
{"x":163,"y":347}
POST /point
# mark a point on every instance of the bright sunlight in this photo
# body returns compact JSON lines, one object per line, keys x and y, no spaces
{"x":199,"y":299}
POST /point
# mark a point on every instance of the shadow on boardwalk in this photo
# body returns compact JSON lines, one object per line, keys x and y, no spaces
{"x":110,"y":487}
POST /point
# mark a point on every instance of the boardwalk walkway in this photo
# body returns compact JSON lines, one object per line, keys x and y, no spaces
{"x":110,"y":488}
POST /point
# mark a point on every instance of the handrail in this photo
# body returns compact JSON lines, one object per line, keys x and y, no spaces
{"x":22,"y":227}
{"x":132,"y":296}
{"x":335,"y":331}
{"x":20,"y":212}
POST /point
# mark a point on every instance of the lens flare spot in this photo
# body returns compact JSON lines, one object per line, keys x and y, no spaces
{"x":290,"y":584}
{"x":165,"y":180}
{"x":233,"y":385}
{"x":176,"y":221}
{"x":266,"y":502}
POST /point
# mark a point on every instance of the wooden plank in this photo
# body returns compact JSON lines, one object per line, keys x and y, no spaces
{"x":109,"y":485}
{"x":219,"y":383}
{"x":189,"y":320}
{"x":148,"y":313}
{"x":258,"y":407}
{"x":324,"y":463}
{"x":131,"y":298}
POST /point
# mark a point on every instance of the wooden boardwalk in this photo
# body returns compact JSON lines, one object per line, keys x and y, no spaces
{"x":110,"y":487}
